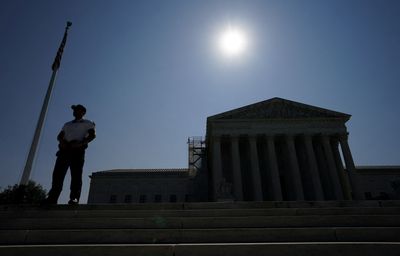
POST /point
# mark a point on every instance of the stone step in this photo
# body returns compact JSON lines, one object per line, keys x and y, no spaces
{"x":83,"y":212}
{"x":292,"y":204}
{"x":224,"y":205}
{"x":159,"y":222}
{"x":215,"y":249}
{"x":223,"y":235}
{"x":228,"y":228}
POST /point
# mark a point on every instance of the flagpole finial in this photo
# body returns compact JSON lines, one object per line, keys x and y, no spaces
{"x":69,"y":24}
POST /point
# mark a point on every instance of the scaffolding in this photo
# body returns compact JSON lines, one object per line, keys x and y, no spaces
{"x":196,"y":151}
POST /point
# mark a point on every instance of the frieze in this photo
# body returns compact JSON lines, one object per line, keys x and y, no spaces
{"x":282,"y":127}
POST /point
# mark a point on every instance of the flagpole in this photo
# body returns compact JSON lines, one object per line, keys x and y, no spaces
{"x":32,"y":152}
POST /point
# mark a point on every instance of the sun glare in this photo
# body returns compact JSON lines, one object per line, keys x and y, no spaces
{"x":232,"y":42}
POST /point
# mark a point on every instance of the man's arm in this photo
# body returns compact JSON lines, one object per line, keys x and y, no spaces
{"x":62,"y":142}
{"x":91,"y":136}
{"x":60,"y":136}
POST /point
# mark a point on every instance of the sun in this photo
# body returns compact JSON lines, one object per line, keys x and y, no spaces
{"x":232,"y":42}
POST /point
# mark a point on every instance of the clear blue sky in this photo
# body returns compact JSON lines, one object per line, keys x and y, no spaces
{"x":149,"y":74}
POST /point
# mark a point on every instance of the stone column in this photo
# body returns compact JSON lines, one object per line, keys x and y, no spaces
{"x":237,"y":174}
{"x":312,"y":161}
{"x":216,"y":165}
{"x":274,"y":181}
{"x":333,"y":174}
{"x":343,"y":177}
{"x":294,"y":168}
{"x":348,"y":159}
{"x":255,"y":169}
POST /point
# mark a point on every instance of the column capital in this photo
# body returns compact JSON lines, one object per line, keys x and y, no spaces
{"x":310,"y":138}
{"x":269,"y":137}
{"x":290,"y":137}
{"x":343,"y":136}
{"x":253,"y":136}
{"x":307,"y":135}
{"x":326,"y":138}
{"x":335,"y":142}
{"x":234,"y":137}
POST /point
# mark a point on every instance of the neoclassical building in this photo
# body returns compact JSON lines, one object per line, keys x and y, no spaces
{"x":272,"y":150}
{"x":280,"y":150}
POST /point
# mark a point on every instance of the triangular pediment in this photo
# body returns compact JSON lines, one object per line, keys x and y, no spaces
{"x":277,"y":108}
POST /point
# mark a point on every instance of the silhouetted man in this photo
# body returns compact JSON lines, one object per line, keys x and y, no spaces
{"x":73,"y":141}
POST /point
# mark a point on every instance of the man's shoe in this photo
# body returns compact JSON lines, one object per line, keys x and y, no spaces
{"x":73,"y":201}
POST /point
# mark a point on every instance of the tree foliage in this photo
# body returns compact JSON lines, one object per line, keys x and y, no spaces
{"x":32,"y":193}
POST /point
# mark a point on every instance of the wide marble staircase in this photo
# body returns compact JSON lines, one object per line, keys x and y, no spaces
{"x":222,"y":228}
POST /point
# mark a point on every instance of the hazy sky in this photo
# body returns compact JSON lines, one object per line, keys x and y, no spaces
{"x":150,"y":72}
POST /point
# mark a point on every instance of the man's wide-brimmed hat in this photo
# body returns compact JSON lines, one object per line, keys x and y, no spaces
{"x":79,"y":106}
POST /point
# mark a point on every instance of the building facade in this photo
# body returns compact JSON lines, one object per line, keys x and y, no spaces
{"x":280,"y":150}
{"x":140,"y":186}
{"x":272,"y":150}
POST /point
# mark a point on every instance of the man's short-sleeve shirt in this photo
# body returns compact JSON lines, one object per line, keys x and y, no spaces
{"x":77,"y":129}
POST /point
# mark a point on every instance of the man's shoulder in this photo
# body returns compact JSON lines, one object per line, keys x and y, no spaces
{"x":87,"y":121}
{"x":89,"y":124}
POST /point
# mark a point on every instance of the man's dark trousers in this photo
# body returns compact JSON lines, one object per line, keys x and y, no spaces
{"x":73,"y":159}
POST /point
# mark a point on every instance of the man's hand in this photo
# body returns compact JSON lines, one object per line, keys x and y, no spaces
{"x":63,"y":144}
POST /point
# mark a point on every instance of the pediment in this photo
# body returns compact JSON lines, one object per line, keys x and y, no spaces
{"x":277,"y":108}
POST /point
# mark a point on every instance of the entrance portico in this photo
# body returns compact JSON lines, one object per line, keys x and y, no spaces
{"x":280,"y":150}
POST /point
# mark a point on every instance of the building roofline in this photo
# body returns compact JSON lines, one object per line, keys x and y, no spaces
{"x":161,"y":170}
{"x":335,"y":114}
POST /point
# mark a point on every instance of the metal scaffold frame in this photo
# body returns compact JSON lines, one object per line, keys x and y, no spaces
{"x":196,"y":150}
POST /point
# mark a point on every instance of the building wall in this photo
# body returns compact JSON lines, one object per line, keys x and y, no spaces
{"x":374,"y":182}
{"x":131,"y":188}
{"x":379,"y":182}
